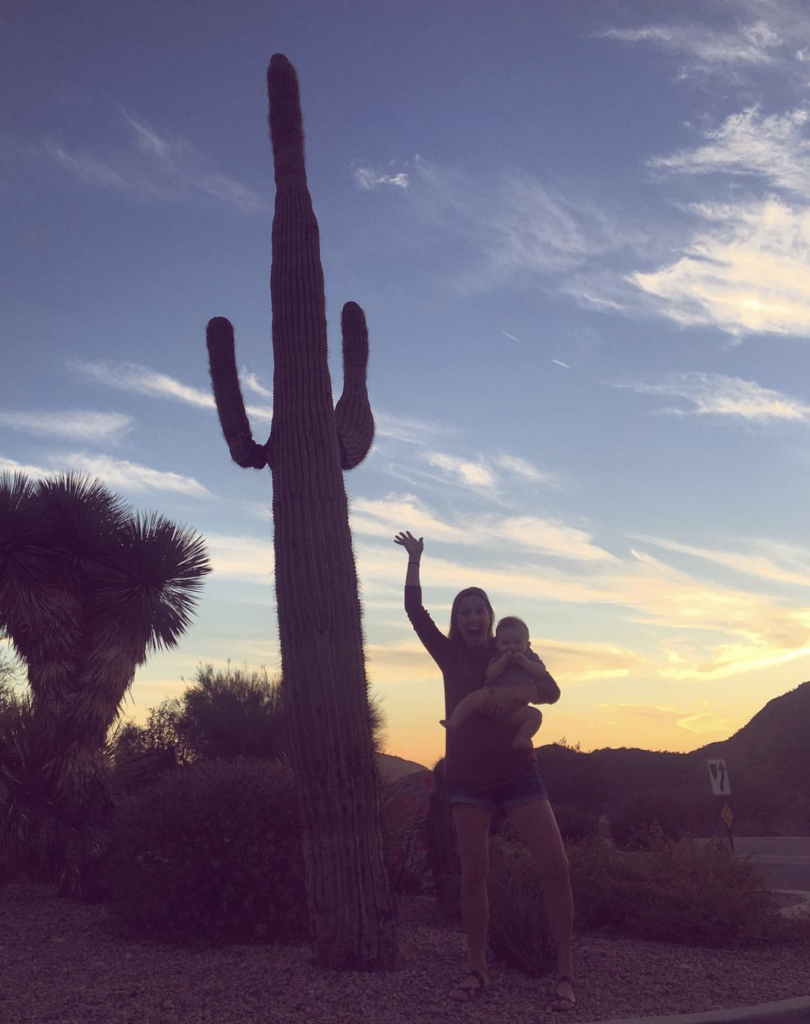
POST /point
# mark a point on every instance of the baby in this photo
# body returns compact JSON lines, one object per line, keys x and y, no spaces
{"x":515,"y":665}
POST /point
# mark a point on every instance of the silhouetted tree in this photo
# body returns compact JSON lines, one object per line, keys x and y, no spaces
{"x":87,"y":590}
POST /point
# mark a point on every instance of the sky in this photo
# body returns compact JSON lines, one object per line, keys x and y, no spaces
{"x":581,"y":236}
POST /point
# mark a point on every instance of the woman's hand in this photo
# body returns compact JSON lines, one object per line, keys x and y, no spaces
{"x":413,"y":546}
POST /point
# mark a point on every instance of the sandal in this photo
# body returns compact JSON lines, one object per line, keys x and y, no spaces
{"x":558,"y":997}
{"x":471,"y":992}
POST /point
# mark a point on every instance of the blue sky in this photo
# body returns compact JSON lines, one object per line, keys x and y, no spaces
{"x":581,"y":236}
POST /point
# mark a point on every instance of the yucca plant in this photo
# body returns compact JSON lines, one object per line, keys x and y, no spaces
{"x":87,"y":590}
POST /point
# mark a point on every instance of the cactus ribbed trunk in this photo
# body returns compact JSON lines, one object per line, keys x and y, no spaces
{"x":351,"y":909}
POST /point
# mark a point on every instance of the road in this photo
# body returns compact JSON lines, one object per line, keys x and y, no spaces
{"x":785,"y":861}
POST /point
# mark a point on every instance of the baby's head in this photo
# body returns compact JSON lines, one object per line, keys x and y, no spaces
{"x":512,"y":635}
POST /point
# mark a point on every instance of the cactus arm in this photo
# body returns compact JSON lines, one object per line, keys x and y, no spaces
{"x":233,"y":419}
{"x":353,"y":418}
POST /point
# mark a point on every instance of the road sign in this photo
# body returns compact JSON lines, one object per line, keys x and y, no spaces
{"x":726,"y":816}
{"x":718,"y":774}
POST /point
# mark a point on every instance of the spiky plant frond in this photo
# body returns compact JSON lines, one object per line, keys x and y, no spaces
{"x":26,"y":556}
{"x":152,"y":584}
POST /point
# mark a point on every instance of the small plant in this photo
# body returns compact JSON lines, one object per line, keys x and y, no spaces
{"x":211,"y":853}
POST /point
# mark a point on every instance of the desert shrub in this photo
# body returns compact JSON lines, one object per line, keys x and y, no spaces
{"x":518,"y":929}
{"x":211,"y":853}
{"x":675,"y":890}
{"x":575,"y":823}
{"x":634,"y":816}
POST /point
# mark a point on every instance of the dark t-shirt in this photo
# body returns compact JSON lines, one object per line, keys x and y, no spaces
{"x":479,"y":754}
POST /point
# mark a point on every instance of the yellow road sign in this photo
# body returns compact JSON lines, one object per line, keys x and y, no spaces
{"x":726,"y":816}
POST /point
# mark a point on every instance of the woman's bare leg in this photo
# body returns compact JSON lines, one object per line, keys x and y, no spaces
{"x":472,"y":831}
{"x":536,"y":826}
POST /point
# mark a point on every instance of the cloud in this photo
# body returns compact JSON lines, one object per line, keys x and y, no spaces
{"x":388,"y":516}
{"x":712,"y":394}
{"x":411,"y":431}
{"x":773,"y":147}
{"x":748,"y":272}
{"x":558,"y":362}
{"x":750,"y":563}
{"x":524,"y":469}
{"x":241,"y":557}
{"x":79,"y":425}
{"x":35,"y":472}
{"x":125,"y":476}
{"x":548,"y":536}
{"x":132,"y":477}
{"x":475,"y":475}
{"x":252,"y":383}
{"x":506,"y":334}
{"x":754,"y":43}
{"x":367,"y":179}
{"x":514,"y":226}
{"x":154,"y":166}
{"x":141,"y":380}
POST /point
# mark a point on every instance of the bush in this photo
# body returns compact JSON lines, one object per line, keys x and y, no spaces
{"x":575,"y":823}
{"x":671,"y":811}
{"x":518,"y":929}
{"x":211,"y":853}
{"x":674,"y":890}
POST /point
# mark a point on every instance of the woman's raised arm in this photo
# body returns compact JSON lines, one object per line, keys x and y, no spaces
{"x":414,"y":548}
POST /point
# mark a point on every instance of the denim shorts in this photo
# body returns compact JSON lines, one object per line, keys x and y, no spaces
{"x":525,"y":789}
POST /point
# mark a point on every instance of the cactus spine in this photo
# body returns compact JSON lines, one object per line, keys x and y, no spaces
{"x":351,"y":910}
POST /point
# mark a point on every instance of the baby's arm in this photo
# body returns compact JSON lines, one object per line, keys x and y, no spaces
{"x":496,"y":668}
{"x":533,"y":665}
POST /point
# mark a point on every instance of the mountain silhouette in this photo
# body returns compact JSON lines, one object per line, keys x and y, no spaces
{"x":768,"y":763}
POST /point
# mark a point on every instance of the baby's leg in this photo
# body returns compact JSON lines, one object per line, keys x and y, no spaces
{"x":527,"y":721}
{"x":466,"y":706}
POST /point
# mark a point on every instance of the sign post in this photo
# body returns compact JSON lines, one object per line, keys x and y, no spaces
{"x":718,"y":776}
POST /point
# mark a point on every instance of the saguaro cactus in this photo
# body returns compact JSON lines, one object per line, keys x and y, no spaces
{"x":351,"y":910}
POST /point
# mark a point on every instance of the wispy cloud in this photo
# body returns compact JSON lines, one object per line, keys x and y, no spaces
{"x":241,"y":557}
{"x":559,"y":362}
{"x":713,"y":394}
{"x":773,"y":147}
{"x":506,"y":334}
{"x":132,"y":477}
{"x":141,"y":380}
{"x":750,"y":563}
{"x":387,"y":516}
{"x":155,"y":166}
{"x":753,"y":43}
{"x":747,"y":272}
{"x":368,"y":179}
{"x":30,"y":470}
{"x":408,"y":429}
{"x":524,"y":469}
{"x":76,"y":424}
{"x":129,"y":477}
{"x":476,"y":475}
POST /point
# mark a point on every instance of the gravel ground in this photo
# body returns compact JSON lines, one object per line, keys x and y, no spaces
{"x":62,"y":962}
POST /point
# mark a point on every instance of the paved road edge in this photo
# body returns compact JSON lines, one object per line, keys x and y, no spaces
{"x":794,"y":1010}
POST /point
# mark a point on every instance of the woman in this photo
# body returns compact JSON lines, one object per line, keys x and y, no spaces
{"x":483,"y":771}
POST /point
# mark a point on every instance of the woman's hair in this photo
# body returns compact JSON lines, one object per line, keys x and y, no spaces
{"x":453,"y":633}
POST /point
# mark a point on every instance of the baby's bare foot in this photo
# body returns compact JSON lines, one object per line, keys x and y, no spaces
{"x":447,"y":724}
